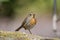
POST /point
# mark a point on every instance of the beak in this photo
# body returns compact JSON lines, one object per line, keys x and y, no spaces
{"x":33,"y":15}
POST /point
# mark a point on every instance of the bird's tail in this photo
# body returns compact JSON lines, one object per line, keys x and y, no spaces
{"x":18,"y":28}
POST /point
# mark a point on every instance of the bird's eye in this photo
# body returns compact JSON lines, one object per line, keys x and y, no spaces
{"x":30,"y":14}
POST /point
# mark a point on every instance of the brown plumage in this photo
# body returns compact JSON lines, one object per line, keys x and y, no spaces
{"x":28,"y":23}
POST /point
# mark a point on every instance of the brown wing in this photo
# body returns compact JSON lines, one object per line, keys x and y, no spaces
{"x":23,"y":23}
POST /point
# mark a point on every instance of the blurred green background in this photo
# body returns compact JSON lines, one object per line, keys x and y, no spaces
{"x":19,"y":7}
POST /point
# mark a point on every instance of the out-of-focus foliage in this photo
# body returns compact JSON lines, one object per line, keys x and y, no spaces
{"x":24,"y":6}
{"x":3,"y":0}
{"x":37,"y":6}
{"x":58,"y":8}
{"x":6,"y":8}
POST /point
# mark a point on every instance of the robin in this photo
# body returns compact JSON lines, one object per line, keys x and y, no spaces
{"x":28,"y":23}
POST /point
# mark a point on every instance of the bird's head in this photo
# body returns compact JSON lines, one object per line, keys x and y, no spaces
{"x":33,"y":15}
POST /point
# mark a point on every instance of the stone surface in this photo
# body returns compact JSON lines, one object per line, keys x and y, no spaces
{"x":4,"y":35}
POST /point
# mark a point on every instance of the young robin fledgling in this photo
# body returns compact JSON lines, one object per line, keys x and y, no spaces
{"x":28,"y":23}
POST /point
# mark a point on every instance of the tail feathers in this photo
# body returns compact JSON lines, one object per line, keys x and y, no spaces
{"x":18,"y":28}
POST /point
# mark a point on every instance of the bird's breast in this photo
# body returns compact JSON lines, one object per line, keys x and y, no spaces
{"x":32,"y":21}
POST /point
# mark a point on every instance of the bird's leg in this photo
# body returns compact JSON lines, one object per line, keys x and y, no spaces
{"x":30,"y":32}
{"x":18,"y":28}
